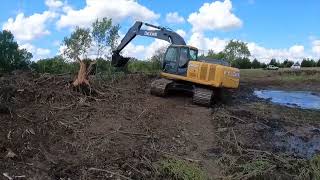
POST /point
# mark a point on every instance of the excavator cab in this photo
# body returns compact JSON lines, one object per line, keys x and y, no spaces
{"x":177,"y":57}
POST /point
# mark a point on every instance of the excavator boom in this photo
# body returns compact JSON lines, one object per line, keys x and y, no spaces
{"x":159,"y":33}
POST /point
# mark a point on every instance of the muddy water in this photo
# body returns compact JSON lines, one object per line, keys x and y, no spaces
{"x":301,"y":99}
{"x":302,"y":141}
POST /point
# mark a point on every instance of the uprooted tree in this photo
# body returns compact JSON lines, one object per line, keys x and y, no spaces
{"x":83,"y":40}
{"x":77,"y":46}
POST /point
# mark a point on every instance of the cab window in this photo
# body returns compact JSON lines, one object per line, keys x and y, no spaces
{"x":183,"y":57}
{"x":171,"y":55}
{"x":193,"y":54}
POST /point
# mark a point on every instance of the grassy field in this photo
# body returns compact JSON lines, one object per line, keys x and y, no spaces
{"x":285,"y":78}
{"x":282,"y":74}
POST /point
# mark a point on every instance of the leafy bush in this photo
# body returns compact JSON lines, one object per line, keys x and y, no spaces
{"x":241,"y":63}
{"x":55,"y":65}
{"x":144,"y":66}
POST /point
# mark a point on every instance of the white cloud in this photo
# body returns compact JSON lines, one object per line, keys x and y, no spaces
{"x":144,"y":52}
{"x":154,"y":46}
{"x":118,"y":10}
{"x":316,"y":48}
{"x":297,"y":50}
{"x":173,"y":17}
{"x":215,"y":16}
{"x":43,"y":52}
{"x":295,"y":53}
{"x":38,"y":53}
{"x":204,"y":43}
{"x":57,"y":43}
{"x":136,"y":51}
{"x":53,"y":4}
{"x":31,"y":27}
{"x":61,"y":49}
{"x":182,"y":33}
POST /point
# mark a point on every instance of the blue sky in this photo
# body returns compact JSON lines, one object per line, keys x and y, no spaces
{"x":273,"y":29}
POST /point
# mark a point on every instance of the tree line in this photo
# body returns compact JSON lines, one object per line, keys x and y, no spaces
{"x":100,"y":40}
{"x":238,"y":55}
{"x":11,"y":56}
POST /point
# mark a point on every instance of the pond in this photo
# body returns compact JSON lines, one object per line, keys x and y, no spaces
{"x":300,"y":99}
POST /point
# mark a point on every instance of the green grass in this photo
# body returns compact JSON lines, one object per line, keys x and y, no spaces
{"x":181,"y":170}
{"x":256,"y":167}
{"x":310,"y":169}
{"x":315,"y":167}
{"x":253,"y":168}
{"x":282,"y":75}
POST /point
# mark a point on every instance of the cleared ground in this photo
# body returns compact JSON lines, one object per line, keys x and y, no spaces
{"x":49,"y":131}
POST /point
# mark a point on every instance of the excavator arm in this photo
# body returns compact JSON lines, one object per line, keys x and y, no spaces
{"x":159,"y":33}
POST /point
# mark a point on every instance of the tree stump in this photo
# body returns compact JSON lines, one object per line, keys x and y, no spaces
{"x":82,"y":83}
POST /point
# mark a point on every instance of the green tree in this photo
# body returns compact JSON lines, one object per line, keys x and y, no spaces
{"x":242,"y":63}
{"x":273,"y":62}
{"x":318,"y":63}
{"x":236,"y":50}
{"x":263,"y":65}
{"x":77,"y":46}
{"x":286,"y":63}
{"x":104,"y":35}
{"x":11,"y":57}
{"x":213,"y":55}
{"x":308,"y":63}
{"x":255,"y":64}
{"x":157,"y":58}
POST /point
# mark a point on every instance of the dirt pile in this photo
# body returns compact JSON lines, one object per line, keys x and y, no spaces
{"x":49,"y":131}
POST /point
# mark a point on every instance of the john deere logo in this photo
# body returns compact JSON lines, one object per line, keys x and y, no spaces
{"x":148,"y":33}
{"x":193,"y":65}
{"x":232,"y":74}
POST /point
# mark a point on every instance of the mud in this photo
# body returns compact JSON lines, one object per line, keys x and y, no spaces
{"x":50,"y":131}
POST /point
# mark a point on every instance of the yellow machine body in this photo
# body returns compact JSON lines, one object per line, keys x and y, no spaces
{"x":213,"y":75}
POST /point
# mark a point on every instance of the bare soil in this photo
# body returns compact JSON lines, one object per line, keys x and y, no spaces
{"x":50,"y":131}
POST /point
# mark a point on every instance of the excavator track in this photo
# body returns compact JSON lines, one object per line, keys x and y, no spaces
{"x":202,"y":96}
{"x":159,"y":87}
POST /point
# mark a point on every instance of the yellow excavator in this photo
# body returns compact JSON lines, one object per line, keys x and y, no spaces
{"x":182,"y":68}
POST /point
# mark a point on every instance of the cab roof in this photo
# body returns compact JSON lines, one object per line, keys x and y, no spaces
{"x":191,"y":47}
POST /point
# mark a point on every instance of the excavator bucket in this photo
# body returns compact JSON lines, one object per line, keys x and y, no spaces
{"x":118,"y":61}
